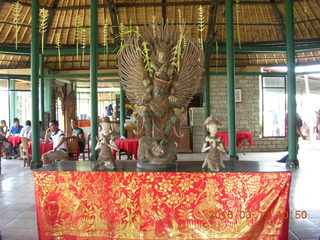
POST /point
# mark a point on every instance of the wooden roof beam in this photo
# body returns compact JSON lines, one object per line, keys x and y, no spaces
{"x":279,"y":17}
{"x":114,"y":20}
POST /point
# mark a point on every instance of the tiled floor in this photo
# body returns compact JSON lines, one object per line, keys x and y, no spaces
{"x":17,"y":211}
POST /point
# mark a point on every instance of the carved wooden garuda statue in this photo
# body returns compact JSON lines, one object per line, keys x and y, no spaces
{"x":160,"y":69}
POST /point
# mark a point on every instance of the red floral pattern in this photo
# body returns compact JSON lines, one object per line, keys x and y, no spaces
{"x":132,"y":205}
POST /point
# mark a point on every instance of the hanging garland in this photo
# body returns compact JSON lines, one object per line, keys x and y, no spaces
{"x":176,"y":61}
{"x":105,"y":40}
{"x":201,"y":26}
{"x":83,"y":43}
{"x":154,"y":25}
{"x":237,"y":17}
{"x":58,"y":45}
{"x":77,"y":34}
{"x":16,"y":9}
{"x":43,"y":18}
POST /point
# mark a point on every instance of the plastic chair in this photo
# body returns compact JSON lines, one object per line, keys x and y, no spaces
{"x":25,"y":151}
{"x":72,"y":148}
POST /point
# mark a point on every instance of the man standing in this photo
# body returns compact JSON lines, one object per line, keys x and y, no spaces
{"x":110,"y":111}
{"x":55,"y":135}
{"x":78,"y":132}
{"x":299,"y":134}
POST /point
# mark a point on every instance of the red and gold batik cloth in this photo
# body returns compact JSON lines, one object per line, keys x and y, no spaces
{"x":161,"y":205}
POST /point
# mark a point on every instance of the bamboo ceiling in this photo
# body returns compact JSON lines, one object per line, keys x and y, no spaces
{"x":259,"y":23}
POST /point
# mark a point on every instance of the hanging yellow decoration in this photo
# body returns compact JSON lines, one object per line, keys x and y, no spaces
{"x":217,"y":55}
{"x":122,"y":32}
{"x":83,"y":43}
{"x":58,"y":45}
{"x":137,"y":31}
{"x":176,"y":60}
{"x":77,"y":34}
{"x":201,"y":25}
{"x":43,"y":18}
{"x":154,"y":25}
{"x":105,"y":40}
{"x":305,"y":7}
{"x":237,"y":17}
{"x":16,"y":9}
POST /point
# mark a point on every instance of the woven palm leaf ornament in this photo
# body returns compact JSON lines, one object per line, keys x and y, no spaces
{"x":237,"y":18}
{"x":43,"y":24}
{"x":83,"y":43}
{"x":105,"y":39}
{"x":176,"y":60}
{"x":201,"y":25}
{"x":154,"y":25}
{"x":58,"y":46}
{"x":16,"y":10}
{"x":77,"y":34}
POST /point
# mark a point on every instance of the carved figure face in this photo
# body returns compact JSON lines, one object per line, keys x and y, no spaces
{"x":100,"y":142}
{"x":157,"y":150}
{"x":212,"y":128}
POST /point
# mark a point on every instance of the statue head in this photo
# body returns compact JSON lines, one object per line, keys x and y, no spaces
{"x":212,"y":124}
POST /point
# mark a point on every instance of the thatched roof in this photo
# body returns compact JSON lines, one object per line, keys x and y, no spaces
{"x":261,"y":24}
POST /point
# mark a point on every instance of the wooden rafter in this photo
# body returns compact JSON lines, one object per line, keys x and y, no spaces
{"x":114,"y":19}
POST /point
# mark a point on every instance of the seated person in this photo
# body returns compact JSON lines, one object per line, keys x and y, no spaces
{"x":26,"y":129}
{"x":4,"y":128}
{"x":41,"y":132}
{"x":78,"y":132}
{"x":16,"y":128}
{"x":54,"y":134}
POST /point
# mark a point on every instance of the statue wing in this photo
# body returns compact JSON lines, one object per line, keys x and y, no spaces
{"x":190,"y":75}
{"x":132,"y":72}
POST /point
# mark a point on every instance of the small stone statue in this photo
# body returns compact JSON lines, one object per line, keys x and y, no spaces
{"x":106,"y":144}
{"x":216,"y":146}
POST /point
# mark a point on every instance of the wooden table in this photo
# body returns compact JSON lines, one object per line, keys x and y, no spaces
{"x":14,"y":140}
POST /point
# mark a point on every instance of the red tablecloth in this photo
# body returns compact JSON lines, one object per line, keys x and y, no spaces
{"x":240,"y":136}
{"x":162,"y":205}
{"x":15,"y":140}
{"x":130,"y":145}
{"x":44,"y":147}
